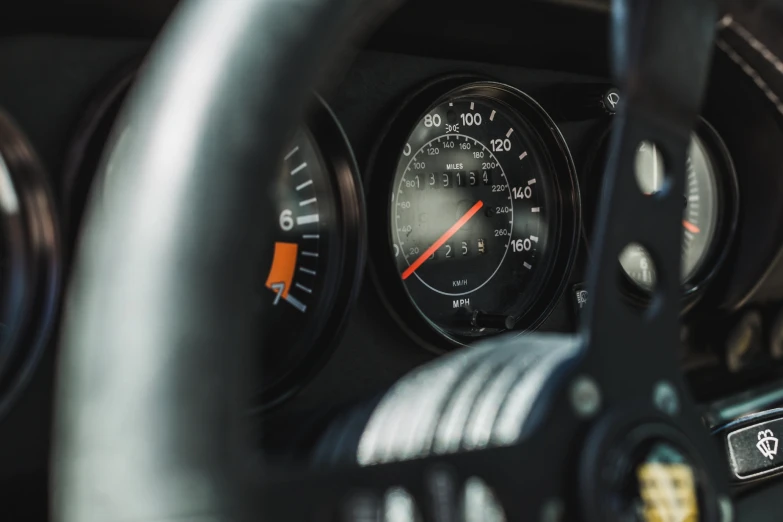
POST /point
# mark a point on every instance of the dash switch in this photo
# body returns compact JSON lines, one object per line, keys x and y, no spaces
{"x":753,"y":446}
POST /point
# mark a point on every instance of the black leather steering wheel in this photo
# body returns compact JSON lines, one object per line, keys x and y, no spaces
{"x":150,"y":423}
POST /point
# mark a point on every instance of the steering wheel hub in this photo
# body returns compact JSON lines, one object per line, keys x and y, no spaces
{"x":646,"y":469}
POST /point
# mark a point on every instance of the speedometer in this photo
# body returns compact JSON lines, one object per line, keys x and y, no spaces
{"x":478,"y":222}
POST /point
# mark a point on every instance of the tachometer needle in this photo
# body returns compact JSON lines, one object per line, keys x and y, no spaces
{"x":442,"y":239}
{"x":690,"y":227}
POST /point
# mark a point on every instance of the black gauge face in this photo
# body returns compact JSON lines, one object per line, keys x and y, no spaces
{"x":306,"y":219}
{"x":700,"y":216}
{"x":474,"y":217}
{"x":310,"y":278}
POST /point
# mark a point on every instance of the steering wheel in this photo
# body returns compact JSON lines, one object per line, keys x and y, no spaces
{"x":152,"y":379}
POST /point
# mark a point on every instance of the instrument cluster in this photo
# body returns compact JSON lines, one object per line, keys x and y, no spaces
{"x":470,"y":210}
{"x":485,"y":211}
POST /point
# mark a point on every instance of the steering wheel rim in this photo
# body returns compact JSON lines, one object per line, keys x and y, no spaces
{"x":188,"y":135}
{"x":150,"y":412}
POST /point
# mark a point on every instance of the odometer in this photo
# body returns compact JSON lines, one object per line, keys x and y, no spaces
{"x":476,"y":212}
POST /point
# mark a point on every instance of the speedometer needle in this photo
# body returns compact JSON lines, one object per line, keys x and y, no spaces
{"x":442,"y":239}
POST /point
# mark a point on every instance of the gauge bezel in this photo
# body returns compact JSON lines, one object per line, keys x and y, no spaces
{"x":381,"y":175}
{"x":35,"y":268}
{"x":727,"y":215}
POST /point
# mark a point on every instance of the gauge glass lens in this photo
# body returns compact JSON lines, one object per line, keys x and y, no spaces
{"x":473,"y":215}
{"x":700,"y":214}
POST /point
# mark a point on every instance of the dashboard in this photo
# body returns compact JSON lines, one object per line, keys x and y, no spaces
{"x":440,"y":190}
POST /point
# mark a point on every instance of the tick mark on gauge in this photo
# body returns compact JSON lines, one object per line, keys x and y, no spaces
{"x":472,"y":105}
{"x":310,"y":236}
{"x":510,"y":132}
{"x":492,"y":116}
{"x":307,"y":202}
{"x":305,"y":184}
{"x":527,"y":265}
{"x":534,"y":238}
{"x":304,"y":220}
{"x":299,"y":305}
{"x":300,"y":168}
{"x":307,"y":271}
{"x":451,"y":104}
{"x":532,"y":181}
{"x":310,"y":254}
{"x":523,"y":155}
{"x":693,"y":198}
{"x":303,"y":288}
{"x":293,"y":151}
{"x":535,"y":209}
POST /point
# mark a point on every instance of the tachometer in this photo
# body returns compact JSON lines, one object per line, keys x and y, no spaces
{"x":317,"y":255}
{"x":478,"y":221}
{"x":306,"y":286}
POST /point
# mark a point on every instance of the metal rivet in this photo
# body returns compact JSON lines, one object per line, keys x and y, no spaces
{"x":666,"y":399}
{"x":585,"y":396}
{"x":726,"y":509}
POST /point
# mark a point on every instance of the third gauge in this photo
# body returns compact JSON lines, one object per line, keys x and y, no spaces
{"x":482,"y":211}
{"x":709,"y":211}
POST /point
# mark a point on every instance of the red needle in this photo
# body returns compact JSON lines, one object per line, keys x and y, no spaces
{"x":442,"y":239}
{"x":690,"y":227}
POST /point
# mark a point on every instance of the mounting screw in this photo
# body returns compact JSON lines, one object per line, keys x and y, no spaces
{"x":666,"y":399}
{"x":726,"y":509}
{"x":585,"y":396}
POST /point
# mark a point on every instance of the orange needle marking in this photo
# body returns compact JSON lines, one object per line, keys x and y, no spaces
{"x":690,"y":227}
{"x":442,"y":239}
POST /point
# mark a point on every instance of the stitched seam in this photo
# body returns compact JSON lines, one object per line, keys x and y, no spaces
{"x":751,"y":72}
{"x":754,"y":42}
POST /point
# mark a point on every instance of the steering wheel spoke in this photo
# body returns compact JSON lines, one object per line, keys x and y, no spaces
{"x":661,"y":55}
